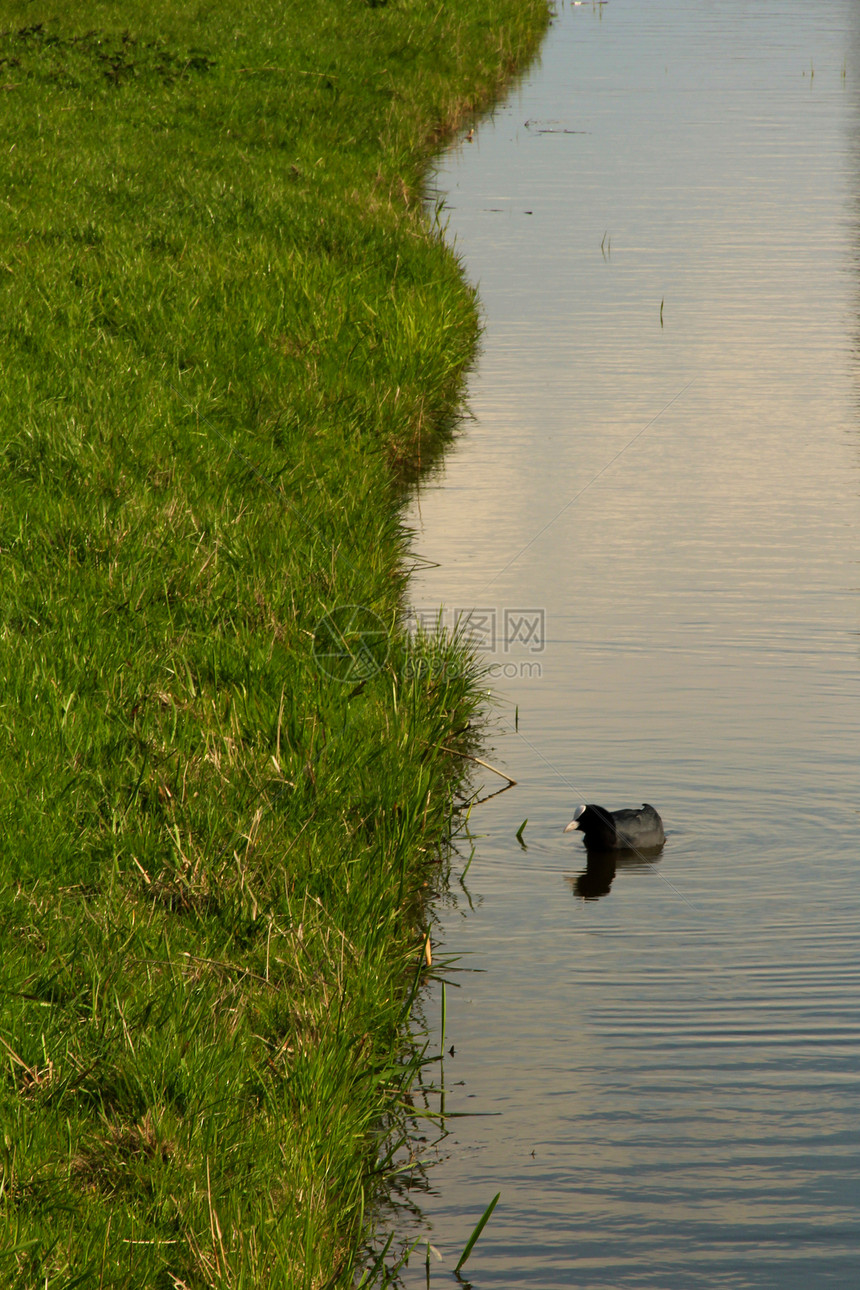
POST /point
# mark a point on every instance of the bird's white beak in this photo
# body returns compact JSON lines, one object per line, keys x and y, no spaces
{"x":574,"y":824}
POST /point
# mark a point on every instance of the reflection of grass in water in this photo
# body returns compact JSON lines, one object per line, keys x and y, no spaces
{"x":227,"y":331}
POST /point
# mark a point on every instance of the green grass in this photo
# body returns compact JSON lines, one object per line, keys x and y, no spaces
{"x":228,"y":336}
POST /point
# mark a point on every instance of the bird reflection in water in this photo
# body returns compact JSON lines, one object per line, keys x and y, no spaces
{"x":601,"y":867}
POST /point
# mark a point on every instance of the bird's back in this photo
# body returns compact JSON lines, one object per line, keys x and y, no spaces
{"x":642,"y":828}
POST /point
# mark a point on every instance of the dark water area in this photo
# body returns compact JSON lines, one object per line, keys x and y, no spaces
{"x":654,"y":517}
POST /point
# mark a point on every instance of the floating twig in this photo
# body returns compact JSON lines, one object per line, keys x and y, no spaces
{"x":480,"y":762}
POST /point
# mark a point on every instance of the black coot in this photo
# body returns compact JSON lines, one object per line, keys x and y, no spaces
{"x":618,"y":830}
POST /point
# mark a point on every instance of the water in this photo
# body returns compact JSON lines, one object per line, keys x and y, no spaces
{"x":657,"y":504}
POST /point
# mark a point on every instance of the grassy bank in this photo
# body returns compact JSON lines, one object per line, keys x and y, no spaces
{"x":227,"y":334}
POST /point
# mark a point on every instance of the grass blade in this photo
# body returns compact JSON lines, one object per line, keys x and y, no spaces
{"x":479,"y":1227}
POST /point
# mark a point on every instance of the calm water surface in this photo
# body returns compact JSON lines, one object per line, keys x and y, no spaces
{"x":661,"y":517}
